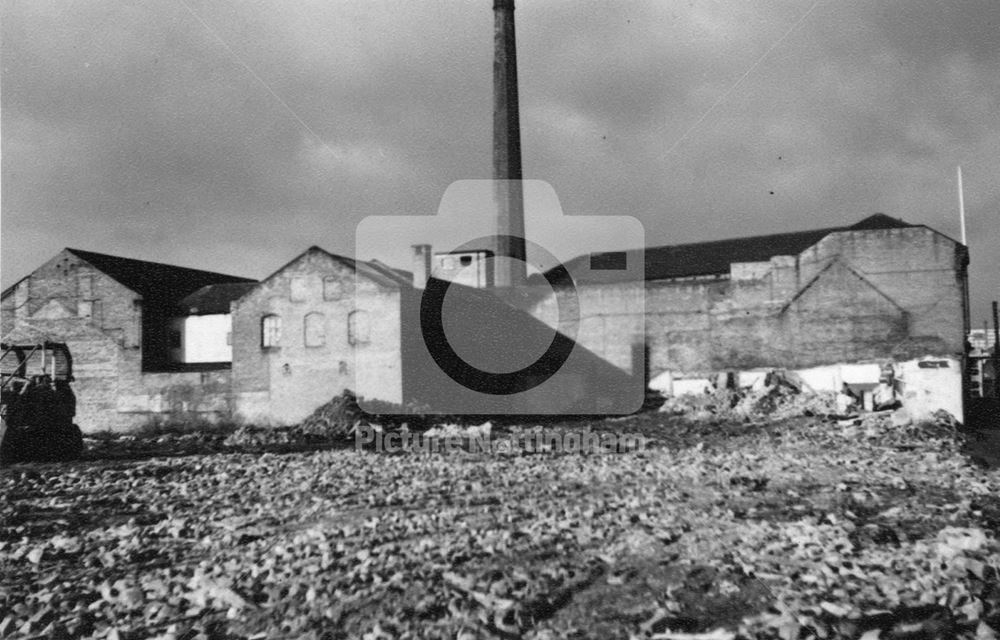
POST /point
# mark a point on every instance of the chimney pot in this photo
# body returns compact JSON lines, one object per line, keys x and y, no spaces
{"x":421,"y":265}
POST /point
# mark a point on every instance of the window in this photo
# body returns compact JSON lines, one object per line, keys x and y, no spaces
{"x":85,"y":309}
{"x":314,"y":330}
{"x":229,"y":338}
{"x":465,"y":260}
{"x":175,"y":339}
{"x":299,"y":288}
{"x":357,"y":327}
{"x":270,"y":331}
{"x":333,"y":288}
{"x":86,"y":287}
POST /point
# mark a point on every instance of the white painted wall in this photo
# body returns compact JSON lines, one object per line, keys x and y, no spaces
{"x":448,"y":266}
{"x":929,"y":384}
{"x":203,"y":338}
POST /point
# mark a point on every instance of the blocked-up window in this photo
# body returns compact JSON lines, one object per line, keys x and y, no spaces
{"x":299,"y":288}
{"x":270,"y":331}
{"x":86,"y":286}
{"x":358,"y":327}
{"x":333,"y":288}
{"x":85,"y":309}
{"x":315,"y":330}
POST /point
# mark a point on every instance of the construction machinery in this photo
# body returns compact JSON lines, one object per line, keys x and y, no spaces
{"x":37,"y":404}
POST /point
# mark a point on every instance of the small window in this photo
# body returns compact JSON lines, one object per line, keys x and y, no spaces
{"x":229,"y":338}
{"x":314,"y":330}
{"x":175,"y":339}
{"x":299,"y":288}
{"x":270,"y":332}
{"x":465,"y":260}
{"x":333,"y":288}
{"x":358,"y":327}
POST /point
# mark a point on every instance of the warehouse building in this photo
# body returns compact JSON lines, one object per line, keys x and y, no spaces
{"x":140,"y":354}
{"x":879,"y":292}
{"x":154,"y":343}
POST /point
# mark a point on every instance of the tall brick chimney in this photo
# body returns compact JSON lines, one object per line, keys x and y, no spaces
{"x":509,"y":196}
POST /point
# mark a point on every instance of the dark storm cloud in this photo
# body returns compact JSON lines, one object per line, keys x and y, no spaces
{"x":151,"y":130}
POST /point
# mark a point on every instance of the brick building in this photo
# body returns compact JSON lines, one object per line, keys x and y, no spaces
{"x":880,"y":291}
{"x":155,"y":342}
{"x":297,"y":335}
{"x":116,"y":315}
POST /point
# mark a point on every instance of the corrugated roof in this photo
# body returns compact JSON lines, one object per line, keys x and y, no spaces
{"x":153,"y":280}
{"x":214,"y":298}
{"x":715,"y":257}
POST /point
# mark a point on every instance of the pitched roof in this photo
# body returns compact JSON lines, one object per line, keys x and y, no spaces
{"x":374,"y":270}
{"x":153,"y":280}
{"x":400,"y":275}
{"x":214,"y":298}
{"x":715,"y":257}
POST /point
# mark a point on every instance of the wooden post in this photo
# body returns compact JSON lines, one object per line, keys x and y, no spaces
{"x":996,"y":352}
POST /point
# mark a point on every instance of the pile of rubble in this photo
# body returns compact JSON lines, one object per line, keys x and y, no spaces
{"x":332,"y":421}
{"x":897,"y":428}
{"x":776,"y":396}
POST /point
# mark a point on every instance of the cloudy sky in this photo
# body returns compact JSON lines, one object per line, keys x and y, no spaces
{"x":230,"y":135}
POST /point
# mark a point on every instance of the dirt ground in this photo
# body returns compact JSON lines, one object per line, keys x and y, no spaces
{"x":802,"y":528}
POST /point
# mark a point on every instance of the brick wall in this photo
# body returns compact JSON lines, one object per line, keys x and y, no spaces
{"x":284,"y":383}
{"x":885,"y":294}
{"x":67,"y":286}
{"x":100,"y":320}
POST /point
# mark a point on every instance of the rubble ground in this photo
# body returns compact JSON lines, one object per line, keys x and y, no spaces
{"x":798,"y":528}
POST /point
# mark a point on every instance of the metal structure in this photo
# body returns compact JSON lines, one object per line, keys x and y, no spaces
{"x":37,"y":404}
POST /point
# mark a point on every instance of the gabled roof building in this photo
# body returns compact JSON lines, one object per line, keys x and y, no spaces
{"x":154,"y":342}
{"x":880,"y":291}
{"x":119,"y":317}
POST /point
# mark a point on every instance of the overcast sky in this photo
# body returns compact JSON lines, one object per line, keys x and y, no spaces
{"x":230,"y":135}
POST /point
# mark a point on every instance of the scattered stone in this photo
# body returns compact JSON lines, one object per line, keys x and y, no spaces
{"x":775,"y":396}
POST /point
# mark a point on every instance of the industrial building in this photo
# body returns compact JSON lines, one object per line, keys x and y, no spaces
{"x":840,"y":306}
{"x":154,"y":343}
{"x":141,"y":352}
